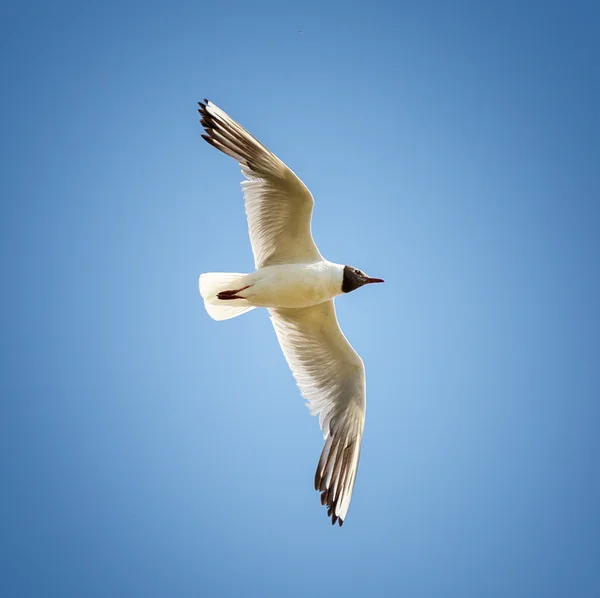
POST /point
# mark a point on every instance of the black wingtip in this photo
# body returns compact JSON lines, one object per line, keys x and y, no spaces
{"x":330,"y":508}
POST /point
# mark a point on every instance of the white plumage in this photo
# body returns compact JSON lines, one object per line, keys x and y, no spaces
{"x":297,"y":285}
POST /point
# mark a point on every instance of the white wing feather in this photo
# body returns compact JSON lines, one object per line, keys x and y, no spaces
{"x":331,"y":376}
{"x":278,"y":204}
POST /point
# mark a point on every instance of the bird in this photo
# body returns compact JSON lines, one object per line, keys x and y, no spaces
{"x":298,"y":286}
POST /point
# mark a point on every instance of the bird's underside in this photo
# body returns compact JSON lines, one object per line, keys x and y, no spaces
{"x":328,"y":371}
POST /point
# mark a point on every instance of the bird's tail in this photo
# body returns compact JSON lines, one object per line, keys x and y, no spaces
{"x":227,"y":306}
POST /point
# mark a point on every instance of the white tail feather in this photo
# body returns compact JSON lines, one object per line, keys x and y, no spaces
{"x":211,"y":284}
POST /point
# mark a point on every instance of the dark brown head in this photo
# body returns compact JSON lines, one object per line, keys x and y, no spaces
{"x":355,"y":278}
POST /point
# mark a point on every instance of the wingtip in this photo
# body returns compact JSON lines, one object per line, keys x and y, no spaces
{"x":335,"y":518}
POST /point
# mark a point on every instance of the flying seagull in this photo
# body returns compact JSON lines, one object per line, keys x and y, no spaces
{"x":298,"y":286}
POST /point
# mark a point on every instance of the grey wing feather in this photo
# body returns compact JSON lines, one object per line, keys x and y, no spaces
{"x":278,"y":204}
{"x":331,"y":376}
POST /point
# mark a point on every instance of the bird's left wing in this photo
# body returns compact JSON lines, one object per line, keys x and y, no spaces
{"x":278,"y":204}
{"x":331,"y":376}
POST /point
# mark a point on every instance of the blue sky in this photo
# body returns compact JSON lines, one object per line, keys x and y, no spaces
{"x":452,"y":148}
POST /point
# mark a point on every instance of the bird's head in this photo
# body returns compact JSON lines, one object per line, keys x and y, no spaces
{"x":355,"y":278}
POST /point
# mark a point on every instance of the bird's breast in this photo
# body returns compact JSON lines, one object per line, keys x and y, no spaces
{"x":293,"y":285}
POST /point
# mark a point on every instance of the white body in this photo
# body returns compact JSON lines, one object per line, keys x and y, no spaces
{"x":282,"y":286}
{"x":293,"y":285}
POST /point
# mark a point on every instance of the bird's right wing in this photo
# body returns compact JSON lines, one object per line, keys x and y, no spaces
{"x":331,"y":376}
{"x":278,"y":204}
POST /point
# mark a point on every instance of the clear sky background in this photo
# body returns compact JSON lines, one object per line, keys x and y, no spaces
{"x":452,"y":148}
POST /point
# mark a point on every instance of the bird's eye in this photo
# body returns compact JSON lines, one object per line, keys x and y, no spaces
{"x":356,"y":271}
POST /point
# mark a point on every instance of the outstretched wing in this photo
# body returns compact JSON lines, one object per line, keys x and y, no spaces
{"x":278,"y":204}
{"x":331,"y":376}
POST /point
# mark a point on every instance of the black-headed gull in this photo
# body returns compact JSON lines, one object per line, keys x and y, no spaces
{"x":298,"y":285}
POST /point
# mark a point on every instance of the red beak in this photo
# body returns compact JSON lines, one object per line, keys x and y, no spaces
{"x":370,"y":280}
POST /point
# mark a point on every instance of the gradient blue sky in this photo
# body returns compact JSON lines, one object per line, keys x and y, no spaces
{"x":452,"y":148}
